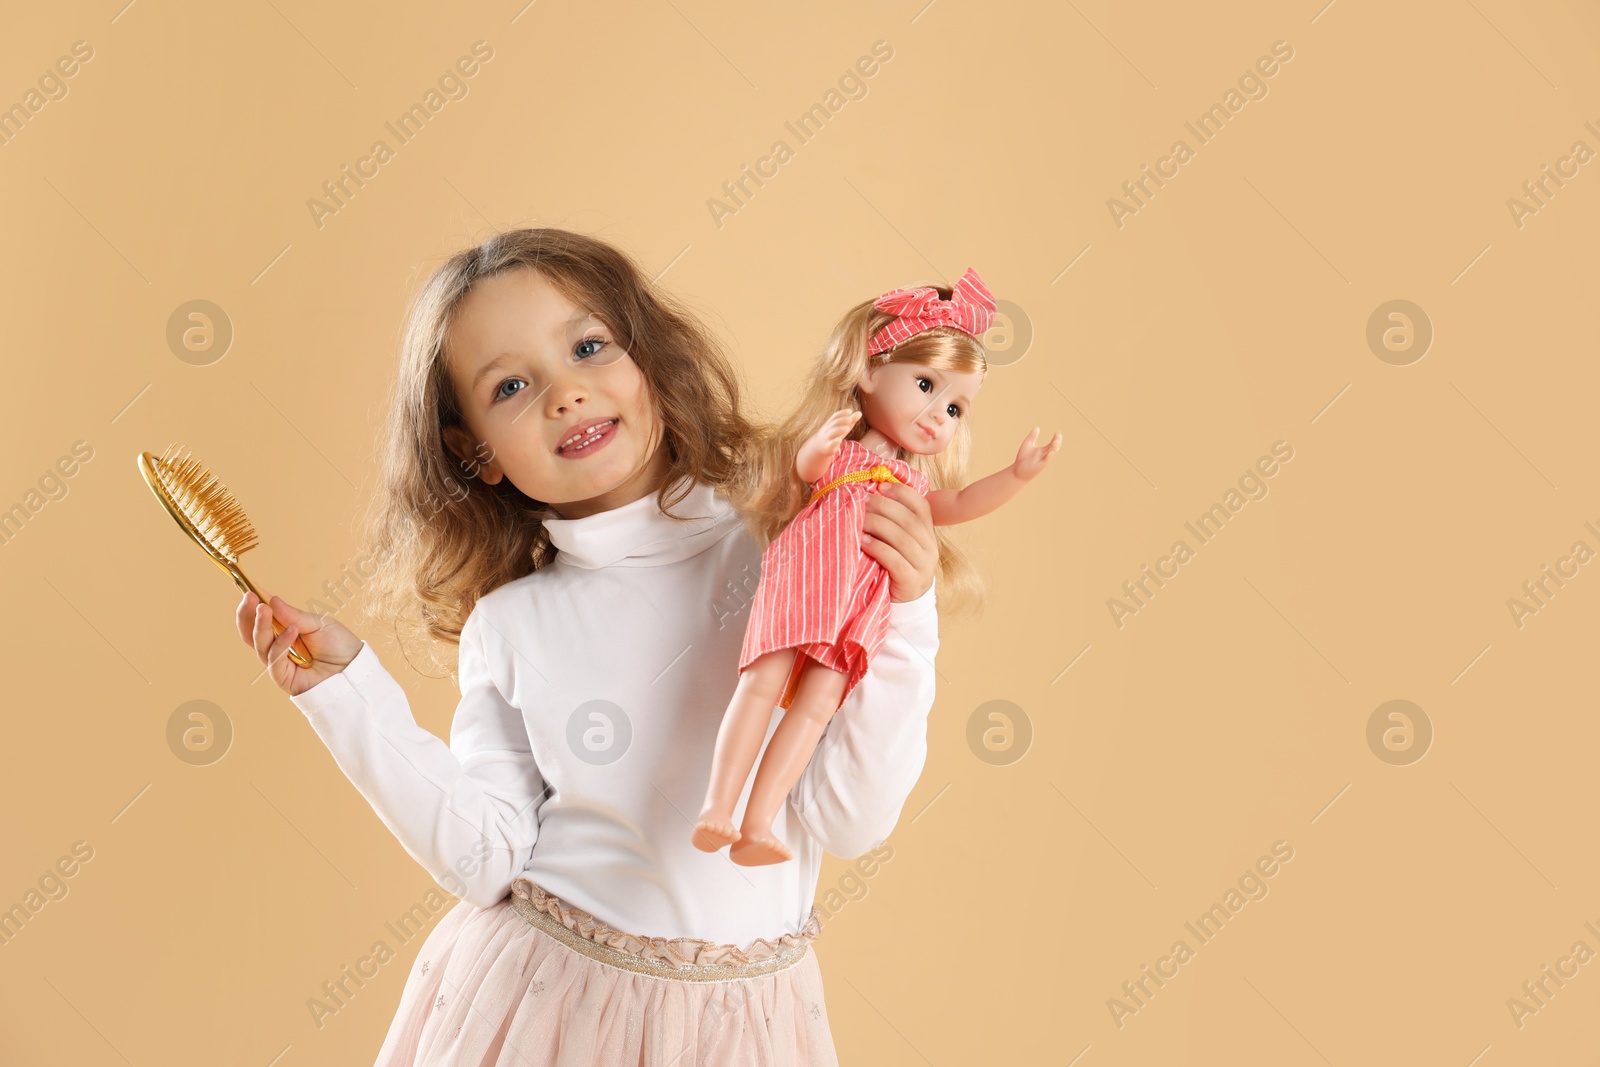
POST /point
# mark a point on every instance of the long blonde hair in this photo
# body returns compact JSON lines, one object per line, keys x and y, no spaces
{"x":772,"y":493}
{"x":443,"y":537}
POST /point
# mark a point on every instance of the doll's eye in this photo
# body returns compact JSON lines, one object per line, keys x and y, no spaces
{"x":954,"y":410}
{"x":924,"y":381}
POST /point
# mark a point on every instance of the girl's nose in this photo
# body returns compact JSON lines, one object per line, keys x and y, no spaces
{"x":565,"y":397}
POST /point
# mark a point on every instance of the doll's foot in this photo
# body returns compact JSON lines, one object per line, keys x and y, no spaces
{"x":759,"y":847}
{"x":712,"y":832}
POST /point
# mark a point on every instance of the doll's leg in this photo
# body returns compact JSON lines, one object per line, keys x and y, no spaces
{"x":820,"y":691}
{"x":744,"y":724}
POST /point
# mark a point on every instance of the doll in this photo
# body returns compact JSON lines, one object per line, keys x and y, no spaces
{"x":821,"y":609}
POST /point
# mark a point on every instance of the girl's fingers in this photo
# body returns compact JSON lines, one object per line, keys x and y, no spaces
{"x":244,"y":616}
{"x":904,"y":574}
{"x":287,"y":613}
{"x":899,"y":552}
{"x":891,"y":559}
{"x":261,"y":631}
{"x":883,"y":527}
{"x":279,"y":649}
{"x":905,"y":515}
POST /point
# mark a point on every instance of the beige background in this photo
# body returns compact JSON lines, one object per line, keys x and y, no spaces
{"x":1227,"y":314}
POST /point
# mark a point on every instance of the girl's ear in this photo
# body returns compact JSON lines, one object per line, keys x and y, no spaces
{"x":474,"y":461}
{"x":455,"y":439}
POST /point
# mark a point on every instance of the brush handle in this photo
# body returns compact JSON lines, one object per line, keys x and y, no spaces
{"x":297,"y":651}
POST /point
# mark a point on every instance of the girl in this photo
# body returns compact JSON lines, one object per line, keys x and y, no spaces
{"x":595,"y":572}
{"x":911,"y":362}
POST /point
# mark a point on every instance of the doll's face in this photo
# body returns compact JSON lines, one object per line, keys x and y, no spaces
{"x":529,"y":366}
{"x":917,"y":407}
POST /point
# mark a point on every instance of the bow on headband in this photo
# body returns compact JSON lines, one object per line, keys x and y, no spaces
{"x":970,"y":309}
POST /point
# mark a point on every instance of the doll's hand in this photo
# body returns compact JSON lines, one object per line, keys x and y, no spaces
{"x":834,"y":430}
{"x":1032,"y":457}
{"x":820,"y":448}
{"x":899,"y":528}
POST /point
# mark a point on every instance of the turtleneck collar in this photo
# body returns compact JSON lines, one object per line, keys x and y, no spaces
{"x":637,"y":534}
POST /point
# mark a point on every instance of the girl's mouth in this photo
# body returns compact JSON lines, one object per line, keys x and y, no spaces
{"x":593,"y":440}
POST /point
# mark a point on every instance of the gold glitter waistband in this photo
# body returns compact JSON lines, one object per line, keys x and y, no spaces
{"x":880,"y":472}
{"x":684,"y":959}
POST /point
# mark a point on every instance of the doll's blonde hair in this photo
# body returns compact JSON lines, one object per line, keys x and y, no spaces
{"x":442,"y":536}
{"x":772,"y":493}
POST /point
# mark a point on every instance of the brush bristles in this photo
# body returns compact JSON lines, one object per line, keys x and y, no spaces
{"x":205,"y":502}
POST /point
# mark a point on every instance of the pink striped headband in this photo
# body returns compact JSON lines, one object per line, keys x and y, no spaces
{"x":970,"y":309}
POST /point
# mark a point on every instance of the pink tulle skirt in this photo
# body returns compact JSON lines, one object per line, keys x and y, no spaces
{"x":536,"y":981}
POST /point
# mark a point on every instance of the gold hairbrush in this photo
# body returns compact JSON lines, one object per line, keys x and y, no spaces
{"x":209,"y":514}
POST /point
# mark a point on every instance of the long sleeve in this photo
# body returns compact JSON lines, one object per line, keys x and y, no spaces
{"x":468,"y":812}
{"x":851,"y":793}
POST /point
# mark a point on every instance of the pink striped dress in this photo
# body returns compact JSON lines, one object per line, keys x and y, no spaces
{"x":820,"y":592}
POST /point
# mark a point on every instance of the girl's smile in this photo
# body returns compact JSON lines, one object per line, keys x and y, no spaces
{"x":587,"y":438}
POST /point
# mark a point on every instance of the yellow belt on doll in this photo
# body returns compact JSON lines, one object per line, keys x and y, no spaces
{"x":877,"y":473}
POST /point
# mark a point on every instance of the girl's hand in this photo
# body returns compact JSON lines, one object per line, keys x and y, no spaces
{"x":331,"y":644}
{"x":1032,"y":457}
{"x":899,"y":527}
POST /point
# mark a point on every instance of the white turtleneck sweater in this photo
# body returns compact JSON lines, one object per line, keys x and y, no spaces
{"x":591,"y":694}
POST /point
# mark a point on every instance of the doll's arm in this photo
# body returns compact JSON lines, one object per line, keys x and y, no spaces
{"x":851,"y":793}
{"x":952,"y":506}
{"x":468,"y":812}
{"x":812,"y":460}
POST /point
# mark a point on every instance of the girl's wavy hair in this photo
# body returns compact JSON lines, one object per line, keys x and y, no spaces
{"x":772,"y":493}
{"x":442,"y":537}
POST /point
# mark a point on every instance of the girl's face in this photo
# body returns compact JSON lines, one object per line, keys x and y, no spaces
{"x":915,"y":406}
{"x":531,"y":369}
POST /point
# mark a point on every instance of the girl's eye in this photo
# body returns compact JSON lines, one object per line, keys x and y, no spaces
{"x":584,"y":351}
